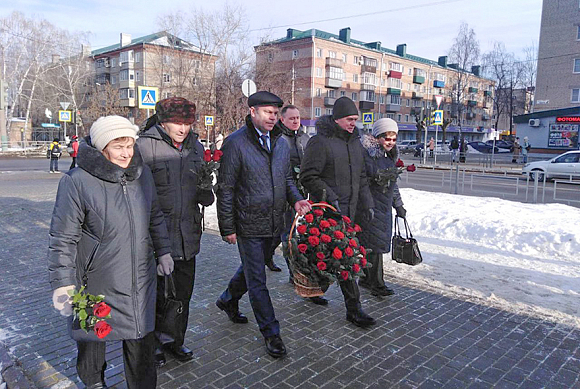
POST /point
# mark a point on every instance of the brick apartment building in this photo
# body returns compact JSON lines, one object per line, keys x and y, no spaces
{"x":389,"y":83}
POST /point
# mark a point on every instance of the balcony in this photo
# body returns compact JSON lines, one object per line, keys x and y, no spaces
{"x":392,"y":107}
{"x":127,"y":65}
{"x":417,"y":95}
{"x":394,"y":91}
{"x":472,"y":90}
{"x":332,"y":83}
{"x":334,"y":62}
{"x":472,"y":103}
{"x":485,"y":116}
{"x":415,"y":111}
{"x":366,"y":105}
{"x":418,"y":80}
{"x":395,"y":74}
{"x":371,"y":87}
{"x":126,"y":84}
{"x":329,"y":101}
{"x":368,"y":69}
{"x":438,"y":84}
{"x":487,"y":93}
{"x":130,"y":102}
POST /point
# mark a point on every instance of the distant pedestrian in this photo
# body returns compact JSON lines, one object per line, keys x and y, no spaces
{"x":454,"y":148}
{"x":53,"y":153}
{"x":462,"y":150}
{"x":516,"y":150}
{"x":526,"y":147}
{"x":431,"y":147}
{"x":73,"y":149}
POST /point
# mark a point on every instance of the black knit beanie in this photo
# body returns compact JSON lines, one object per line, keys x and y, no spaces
{"x":344,"y":107}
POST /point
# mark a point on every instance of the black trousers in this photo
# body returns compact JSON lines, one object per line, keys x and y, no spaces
{"x":351,"y":294}
{"x":374,"y":275}
{"x":73,"y":164}
{"x":183,"y":278}
{"x":140,"y":372}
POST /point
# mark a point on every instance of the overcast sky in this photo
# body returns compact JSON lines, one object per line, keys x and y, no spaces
{"x":426,"y":26}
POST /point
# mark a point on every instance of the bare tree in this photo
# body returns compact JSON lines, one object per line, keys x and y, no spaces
{"x":103,"y":100}
{"x":529,"y":70}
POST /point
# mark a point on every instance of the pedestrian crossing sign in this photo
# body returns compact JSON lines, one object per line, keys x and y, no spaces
{"x":438,"y":117}
{"x":209,"y":120}
{"x":64,"y":116}
{"x":148,"y":97}
{"x":368,"y":118}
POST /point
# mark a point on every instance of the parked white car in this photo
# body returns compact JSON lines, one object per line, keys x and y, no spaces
{"x":563,"y":166}
{"x":406,"y":146}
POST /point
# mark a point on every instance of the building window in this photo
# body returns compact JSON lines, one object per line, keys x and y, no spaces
{"x":317,"y":111}
{"x":318,"y":53}
{"x":394,"y":99}
{"x":407,"y":118}
{"x":354,"y":96}
{"x":407,"y":103}
{"x":355,"y":78}
{"x":166,"y":59}
{"x":166,"y":77}
{"x":335,"y":73}
{"x":319,"y":72}
{"x":355,"y":60}
{"x":367,"y":95}
{"x":125,"y":56}
{"x":331,"y":93}
{"x":137,"y":75}
{"x":332,"y":54}
{"x":295,"y":54}
{"x":344,"y":57}
{"x":399,"y":118}
{"x":342,"y":93}
{"x":395,"y":83}
{"x":576,"y":95}
{"x":113,"y":80}
{"x":318,"y":93}
{"x":123,"y":75}
{"x":396,"y":66}
{"x":113,"y":62}
{"x":410,"y":71}
{"x":328,"y":111}
{"x":138,"y":56}
{"x":577,"y":65}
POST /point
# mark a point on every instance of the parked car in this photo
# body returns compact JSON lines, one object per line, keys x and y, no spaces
{"x":502,"y":144}
{"x":483,"y":147}
{"x":562,"y":166}
{"x":406,"y":146}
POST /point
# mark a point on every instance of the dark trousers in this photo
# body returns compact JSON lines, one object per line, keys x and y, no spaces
{"x":54,"y":164}
{"x":183,"y":278}
{"x":73,"y":164}
{"x":251,"y":277}
{"x":138,"y":358}
{"x":374,"y":275}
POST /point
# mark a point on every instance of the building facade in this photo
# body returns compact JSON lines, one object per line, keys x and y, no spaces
{"x":520,"y":100}
{"x":558,"y":75}
{"x":323,"y":67}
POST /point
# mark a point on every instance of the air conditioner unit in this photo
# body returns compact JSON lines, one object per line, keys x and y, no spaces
{"x":534,"y":123}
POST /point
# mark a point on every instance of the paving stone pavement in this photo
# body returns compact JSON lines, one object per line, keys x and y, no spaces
{"x":422,"y":339}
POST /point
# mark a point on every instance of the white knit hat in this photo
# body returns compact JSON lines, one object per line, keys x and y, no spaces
{"x":107,"y":128}
{"x":385,"y":125}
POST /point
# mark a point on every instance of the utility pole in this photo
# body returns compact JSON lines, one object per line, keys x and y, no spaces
{"x":293,"y":85}
{"x":3,"y":107}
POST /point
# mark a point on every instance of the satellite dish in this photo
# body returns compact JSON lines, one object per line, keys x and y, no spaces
{"x":47,"y":113}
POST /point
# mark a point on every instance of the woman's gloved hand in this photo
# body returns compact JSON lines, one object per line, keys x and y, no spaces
{"x":62,"y":301}
{"x":401,"y":212}
{"x":165,"y":265}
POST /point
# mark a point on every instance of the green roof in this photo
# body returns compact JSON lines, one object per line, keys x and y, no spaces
{"x":141,"y":40}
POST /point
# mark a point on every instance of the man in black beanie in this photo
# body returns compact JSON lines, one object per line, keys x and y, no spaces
{"x":333,"y":167}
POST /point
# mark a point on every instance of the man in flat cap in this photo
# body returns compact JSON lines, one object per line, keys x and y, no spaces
{"x":254,"y":184}
{"x":333,"y":167}
{"x":172,"y":150}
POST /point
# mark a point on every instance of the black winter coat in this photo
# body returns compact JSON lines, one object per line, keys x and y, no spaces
{"x":105,"y":232}
{"x":175,"y":173}
{"x":377,"y":234}
{"x":297,"y":141}
{"x":254,"y":185}
{"x":334,"y":162}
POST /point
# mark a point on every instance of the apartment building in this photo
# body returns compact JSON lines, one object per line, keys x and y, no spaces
{"x":160,"y":60}
{"x":558,"y":75}
{"x":389,"y":83}
{"x":521,"y":102}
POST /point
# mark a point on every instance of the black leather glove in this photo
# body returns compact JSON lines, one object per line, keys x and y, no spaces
{"x":335,"y":205}
{"x":401,"y":212}
{"x":371,"y":213}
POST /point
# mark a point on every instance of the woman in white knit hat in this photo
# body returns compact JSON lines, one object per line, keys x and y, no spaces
{"x":381,"y":155}
{"x":106,"y":230}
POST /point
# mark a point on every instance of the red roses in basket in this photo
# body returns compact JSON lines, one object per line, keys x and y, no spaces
{"x":325,"y":247}
{"x":91,"y":312}
{"x":209,"y":167}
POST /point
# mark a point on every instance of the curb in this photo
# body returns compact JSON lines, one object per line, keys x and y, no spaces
{"x":11,"y":372}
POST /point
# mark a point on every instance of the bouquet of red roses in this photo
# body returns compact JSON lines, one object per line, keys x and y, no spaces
{"x":209,"y":167}
{"x":324,"y":248}
{"x":91,"y":312}
{"x":385,"y":177}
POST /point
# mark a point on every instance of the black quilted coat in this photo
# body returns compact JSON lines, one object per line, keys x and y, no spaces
{"x":334,"y":163}
{"x":105,"y":227}
{"x":254,"y":185}
{"x":376,"y":234}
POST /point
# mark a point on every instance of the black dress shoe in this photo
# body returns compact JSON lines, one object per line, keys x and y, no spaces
{"x":275,"y":346}
{"x":160,"y":360}
{"x":272,"y":266}
{"x":364,"y":284}
{"x":360,"y":319}
{"x":382,"y":291}
{"x":233,"y":312}
{"x":318,"y":300}
{"x":181,"y":353}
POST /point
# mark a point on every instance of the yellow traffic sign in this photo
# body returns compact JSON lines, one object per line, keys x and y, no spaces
{"x":438,"y":117}
{"x":368,"y":118}
{"x":64,"y":116}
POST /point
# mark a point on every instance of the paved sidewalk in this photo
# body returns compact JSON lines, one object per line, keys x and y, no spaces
{"x":422,"y":340}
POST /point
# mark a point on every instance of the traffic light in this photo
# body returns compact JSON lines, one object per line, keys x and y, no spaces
{"x":3,"y":94}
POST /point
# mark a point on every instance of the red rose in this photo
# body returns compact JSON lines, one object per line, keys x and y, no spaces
{"x":349,"y":252}
{"x":411,"y":168}
{"x":337,"y":254}
{"x":324,"y":224}
{"x":313,"y":240}
{"x":356,"y":268}
{"x":302,"y":248}
{"x":102,"y":329}
{"x":325,"y":238}
{"x":314,"y":231}
{"x":101,"y":310}
{"x":352,"y":243}
{"x":301,"y":229}
{"x":399,"y":163}
{"x":207,"y":155}
{"x":363,"y":250}
{"x":350,"y":230}
{"x":332,"y":222}
{"x":338,"y":235}
{"x":217,"y":155}
{"x":321,"y":266}
{"x":363,"y":261}
{"x":320,"y":256}
{"x":346,"y":219}
{"x":310,"y":202}
{"x":318,"y":212}
{"x":357,"y":228}
{"x":309,"y":218}
{"x":344,"y":275}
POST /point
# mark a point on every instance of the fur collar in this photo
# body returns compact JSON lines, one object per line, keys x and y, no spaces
{"x":253,"y":133}
{"x":288,"y":132}
{"x":327,"y":127}
{"x":94,"y":162}
{"x":375,"y":150}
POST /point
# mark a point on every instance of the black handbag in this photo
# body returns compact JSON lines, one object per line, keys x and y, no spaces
{"x":405,"y":249}
{"x":168,"y":318}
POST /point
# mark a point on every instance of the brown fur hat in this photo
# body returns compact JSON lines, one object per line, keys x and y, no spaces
{"x":175,"y":110}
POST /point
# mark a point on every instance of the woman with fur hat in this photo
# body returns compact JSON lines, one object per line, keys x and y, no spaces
{"x":106,"y":230}
{"x":381,"y":153}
